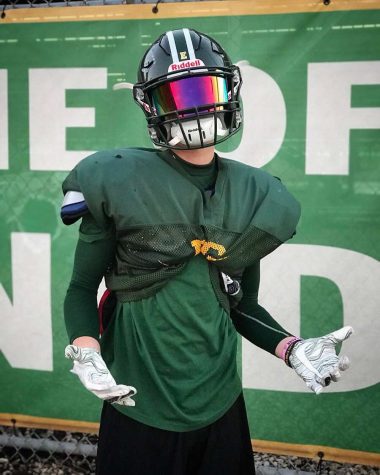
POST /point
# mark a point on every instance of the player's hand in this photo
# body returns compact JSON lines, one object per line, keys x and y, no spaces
{"x":315,"y":359}
{"x":91,"y":369}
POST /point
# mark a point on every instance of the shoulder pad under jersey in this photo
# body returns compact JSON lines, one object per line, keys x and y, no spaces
{"x":73,"y":207}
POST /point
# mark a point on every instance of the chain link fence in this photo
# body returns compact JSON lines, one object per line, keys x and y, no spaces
{"x":27,"y":451}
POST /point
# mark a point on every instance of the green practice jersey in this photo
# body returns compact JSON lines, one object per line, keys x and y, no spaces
{"x":162,"y":219}
{"x":171,"y":335}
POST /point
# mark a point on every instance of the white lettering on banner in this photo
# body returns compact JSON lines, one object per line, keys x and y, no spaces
{"x":264,"y":118}
{"x":330,"y":116}
{"x":357,"y":277}
{"x":4,"y":140}
{"x":49,"y":117}
{"x":26,"y":338}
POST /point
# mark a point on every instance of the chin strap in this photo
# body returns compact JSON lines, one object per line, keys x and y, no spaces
{"x":174,"y":141}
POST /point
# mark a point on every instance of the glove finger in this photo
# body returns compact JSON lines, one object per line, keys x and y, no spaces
{"x":314,"y":386}
{"x":335,"y":373}
{"x":340,"y":335}
{"x":330,"y":373}
{"x":128,"y":390}
{"x":344,"y":363}
{"x":336,"y":376}
{"x":117,"y":391}
{"x":125,"y":401}
{"x":324,"y":380}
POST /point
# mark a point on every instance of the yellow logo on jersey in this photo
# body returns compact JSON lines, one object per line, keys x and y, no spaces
{"x":183,"y":55}
{"x":202,"y":247}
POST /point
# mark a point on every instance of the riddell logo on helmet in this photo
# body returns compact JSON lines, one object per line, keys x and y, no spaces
{"x":185,"y":64}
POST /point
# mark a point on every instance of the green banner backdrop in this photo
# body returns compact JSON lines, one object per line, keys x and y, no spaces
{"x":311,"y":98}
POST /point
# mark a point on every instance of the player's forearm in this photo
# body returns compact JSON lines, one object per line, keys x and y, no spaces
{"x":80,"y":307}
{"x":255,"y":324}
{"x":253,"y":321}
{"x":81,"y":314}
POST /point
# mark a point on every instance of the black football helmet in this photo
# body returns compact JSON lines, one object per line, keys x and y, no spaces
{"x":189,"y":91}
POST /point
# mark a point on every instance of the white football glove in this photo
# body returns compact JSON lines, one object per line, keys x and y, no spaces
{"x":316,"y":361}
{"x":92,"y":370}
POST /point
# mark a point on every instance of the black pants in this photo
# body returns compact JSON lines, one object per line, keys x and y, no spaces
{"x":129,"y":447}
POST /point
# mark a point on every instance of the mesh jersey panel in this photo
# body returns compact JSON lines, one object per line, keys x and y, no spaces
{"x":146,"y":257}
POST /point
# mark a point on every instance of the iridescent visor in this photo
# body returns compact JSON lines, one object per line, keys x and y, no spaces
{"x":188,"y":93}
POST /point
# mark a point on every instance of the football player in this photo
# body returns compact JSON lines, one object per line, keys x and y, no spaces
{"x":178,"y":233}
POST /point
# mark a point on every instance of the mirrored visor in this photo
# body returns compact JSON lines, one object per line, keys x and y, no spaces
{"x":188,"y":93}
